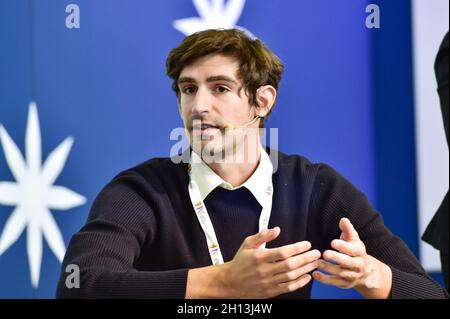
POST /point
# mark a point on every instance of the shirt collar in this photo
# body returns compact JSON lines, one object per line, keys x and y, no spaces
{"x":207,"y":180}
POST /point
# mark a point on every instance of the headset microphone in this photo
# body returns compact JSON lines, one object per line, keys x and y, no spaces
{"x":231,"y":126}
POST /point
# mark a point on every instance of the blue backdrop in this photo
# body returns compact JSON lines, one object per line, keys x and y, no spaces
{"x":104,"y":84}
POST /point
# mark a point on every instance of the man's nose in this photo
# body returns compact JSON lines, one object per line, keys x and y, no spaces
{"x":202,"y":101}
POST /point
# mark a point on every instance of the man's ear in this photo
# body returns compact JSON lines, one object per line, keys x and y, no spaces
{"x":265,"y":96}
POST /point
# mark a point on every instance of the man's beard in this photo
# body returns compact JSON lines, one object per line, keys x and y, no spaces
{"x":225,"y":146}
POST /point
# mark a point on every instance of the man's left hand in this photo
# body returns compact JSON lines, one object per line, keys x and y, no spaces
{"x":349,"y":265}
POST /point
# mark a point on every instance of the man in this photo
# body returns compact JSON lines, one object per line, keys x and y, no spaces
{"x":223,"y":227}
{"x":436,"y":233}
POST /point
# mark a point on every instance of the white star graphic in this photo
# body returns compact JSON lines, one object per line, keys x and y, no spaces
{"x":34,"y":194}
{"x":214,"y":14}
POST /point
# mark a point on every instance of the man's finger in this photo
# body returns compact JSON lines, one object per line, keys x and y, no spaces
{"x":294,"y":274}
{"x":345,"y":261}
{"x":338,"y":271}
{"x":332,"y":280}
{"x":348,"y":231}
{"x":295,"y":261}
{"x":284,"y":252}
{"x":260,"y":238}
{"x":330,"y":268}
{"x":349,"y":248}
{"x":291,"y":285}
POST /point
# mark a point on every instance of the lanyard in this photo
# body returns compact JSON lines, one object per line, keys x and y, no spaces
{"x":205,"y":221}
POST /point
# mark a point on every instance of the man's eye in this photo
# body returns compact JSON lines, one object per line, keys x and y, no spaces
{"x":188,"y":90}
{"x":221,"y":89}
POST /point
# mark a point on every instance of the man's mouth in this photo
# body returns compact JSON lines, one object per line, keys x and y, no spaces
{"x":205,"y":130}
{"x":204,"y":127}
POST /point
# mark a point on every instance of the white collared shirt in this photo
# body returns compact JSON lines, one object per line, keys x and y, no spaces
{"x":207,"y":180}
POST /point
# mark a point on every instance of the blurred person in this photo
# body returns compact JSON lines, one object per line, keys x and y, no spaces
{"x":436,"y":233}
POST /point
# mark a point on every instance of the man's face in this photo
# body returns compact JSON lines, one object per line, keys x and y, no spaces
{"x":211,"y":96}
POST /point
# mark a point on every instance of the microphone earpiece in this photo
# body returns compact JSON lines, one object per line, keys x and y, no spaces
{"x":231,"y":126}
{"x":228,"y":126}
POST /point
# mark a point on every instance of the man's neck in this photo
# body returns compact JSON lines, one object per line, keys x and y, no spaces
{"x":236,"y":173}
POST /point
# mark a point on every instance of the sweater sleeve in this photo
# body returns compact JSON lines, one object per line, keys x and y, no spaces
{"x":334,"y":197}
{"x":107,"y":247}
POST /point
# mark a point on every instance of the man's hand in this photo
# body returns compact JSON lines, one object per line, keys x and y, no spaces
{"x":352,"y":267}
{"x":255,"y":272}
{"x":265,"y":273}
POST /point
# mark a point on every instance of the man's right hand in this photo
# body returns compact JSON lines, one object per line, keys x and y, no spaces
{"x":257,"y":273}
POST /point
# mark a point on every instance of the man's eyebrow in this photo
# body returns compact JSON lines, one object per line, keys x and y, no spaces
{"x":221,"y":78}
{"x":186,"y":79}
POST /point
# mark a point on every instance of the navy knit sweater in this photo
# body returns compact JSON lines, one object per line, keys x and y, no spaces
{"x":142,"y":234}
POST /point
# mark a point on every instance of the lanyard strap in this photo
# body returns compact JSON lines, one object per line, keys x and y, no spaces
{"x":205,"y":221}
